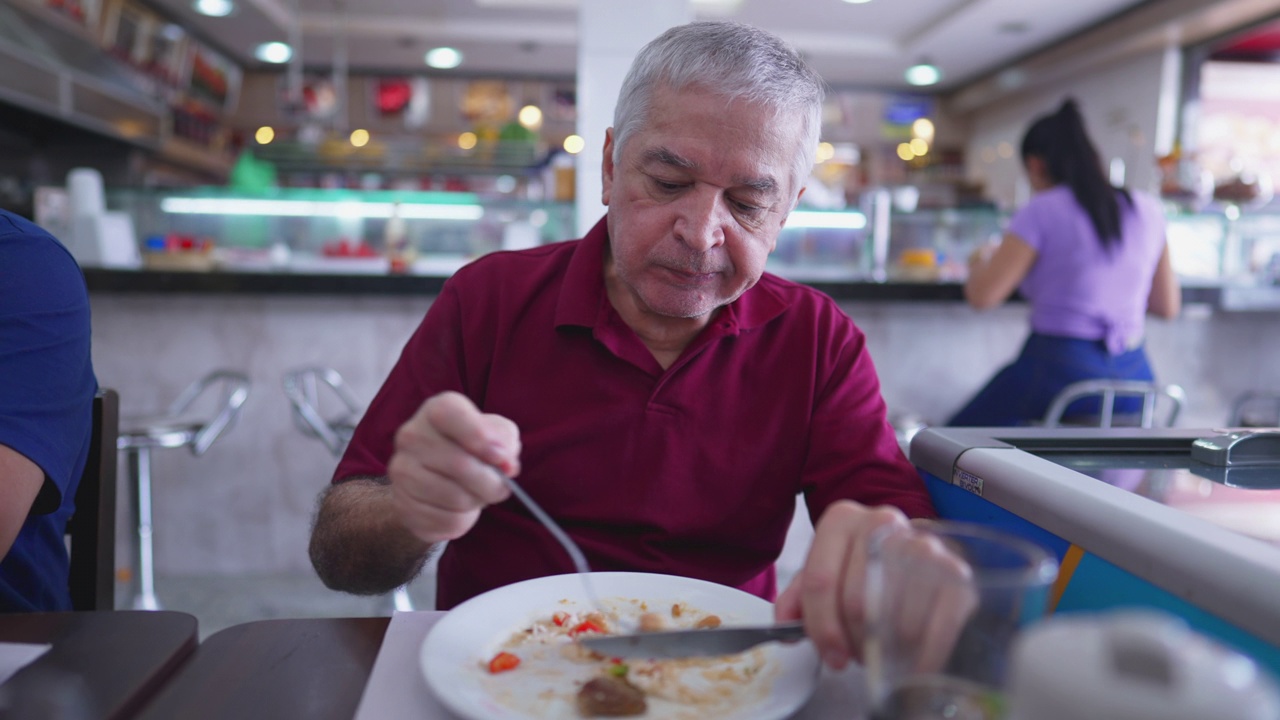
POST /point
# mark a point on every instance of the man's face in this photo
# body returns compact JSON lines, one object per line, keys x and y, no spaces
{"x":696,"y":200}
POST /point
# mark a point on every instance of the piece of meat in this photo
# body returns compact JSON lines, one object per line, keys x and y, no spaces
{"x":609,"y":696}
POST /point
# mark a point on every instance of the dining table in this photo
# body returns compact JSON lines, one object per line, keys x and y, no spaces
{"x":97,"y":665}
{"x":364,"y":668}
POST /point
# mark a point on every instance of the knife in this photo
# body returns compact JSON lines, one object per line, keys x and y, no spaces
{"x":692,"y":643}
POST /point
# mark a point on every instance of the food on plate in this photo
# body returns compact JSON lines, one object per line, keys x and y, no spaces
{"x":610,"y":696}
{"x":503,"y":662}
{"x":542,"y":670}
{"x":652,"y":622}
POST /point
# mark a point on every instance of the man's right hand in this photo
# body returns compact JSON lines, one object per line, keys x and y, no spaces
{"x":442,"y":471}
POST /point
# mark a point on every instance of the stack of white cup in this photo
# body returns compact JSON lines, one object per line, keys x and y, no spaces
{"x":98,"y":237}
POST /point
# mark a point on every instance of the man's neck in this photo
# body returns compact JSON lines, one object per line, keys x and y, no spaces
{"x":666,"y":337}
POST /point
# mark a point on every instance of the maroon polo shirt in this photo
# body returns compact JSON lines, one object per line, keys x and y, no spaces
{"x":692,"y":470}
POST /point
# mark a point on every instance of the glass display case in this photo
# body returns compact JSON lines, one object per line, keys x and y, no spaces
{"x":333,"y":231}
{"x":1223,"y":254}
{"x":883,"y":244}
{"x":1235,"y":249}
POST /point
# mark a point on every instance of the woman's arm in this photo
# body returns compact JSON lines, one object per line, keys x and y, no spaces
{"x":993,"y":278}
{"x":1165,"y":299}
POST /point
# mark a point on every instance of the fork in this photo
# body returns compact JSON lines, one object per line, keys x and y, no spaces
{"x":575,"y":553}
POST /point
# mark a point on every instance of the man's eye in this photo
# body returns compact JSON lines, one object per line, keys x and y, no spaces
{"x":666,"y":186}
{"x":746,"y":208}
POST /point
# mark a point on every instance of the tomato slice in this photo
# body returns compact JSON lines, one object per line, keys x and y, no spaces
{"x":503,"y":662}
{"x":586,"y":626}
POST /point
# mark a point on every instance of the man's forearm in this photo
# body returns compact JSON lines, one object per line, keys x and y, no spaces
{"x":357,"y":545}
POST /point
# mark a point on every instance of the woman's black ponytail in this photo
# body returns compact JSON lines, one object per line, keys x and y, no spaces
{"x":1069,"y":156}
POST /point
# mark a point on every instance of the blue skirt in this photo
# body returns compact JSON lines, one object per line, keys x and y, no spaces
{"x":1021,"y":393}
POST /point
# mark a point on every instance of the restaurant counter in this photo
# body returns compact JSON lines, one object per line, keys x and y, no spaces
{"x":239,"y":282}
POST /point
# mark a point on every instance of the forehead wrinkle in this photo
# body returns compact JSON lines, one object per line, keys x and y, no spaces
{"x":667,"y":156}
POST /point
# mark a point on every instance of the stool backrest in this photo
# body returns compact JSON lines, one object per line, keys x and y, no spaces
{"x":92,"y":529}
{"x":1107,"y":391}
{"x":234,"y":388}
{"x":302,"y":387}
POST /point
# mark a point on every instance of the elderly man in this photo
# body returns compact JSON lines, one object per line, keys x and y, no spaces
{"x":651,"y":386}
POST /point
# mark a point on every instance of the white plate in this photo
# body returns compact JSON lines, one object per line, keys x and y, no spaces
{"x":455,"y":652}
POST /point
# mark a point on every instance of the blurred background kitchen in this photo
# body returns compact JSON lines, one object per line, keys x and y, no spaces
{"x":262,"y":186}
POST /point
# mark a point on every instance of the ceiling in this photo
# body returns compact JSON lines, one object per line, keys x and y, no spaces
{"x":864,"y":45}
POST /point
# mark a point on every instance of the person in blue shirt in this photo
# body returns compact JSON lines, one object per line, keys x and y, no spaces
{"x":46,"y":412}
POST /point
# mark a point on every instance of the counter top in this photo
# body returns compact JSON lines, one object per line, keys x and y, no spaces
{"x":227,"y":282}
{"x":221,"y":282}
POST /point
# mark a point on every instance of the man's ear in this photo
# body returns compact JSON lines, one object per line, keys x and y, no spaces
{"x":606,"y":168}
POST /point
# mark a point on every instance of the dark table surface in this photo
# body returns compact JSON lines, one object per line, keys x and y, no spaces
{"x":312,"y":669}
{"x":100,"y":664}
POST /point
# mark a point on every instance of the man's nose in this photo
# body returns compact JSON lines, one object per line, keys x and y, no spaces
{"x":701,"y":222}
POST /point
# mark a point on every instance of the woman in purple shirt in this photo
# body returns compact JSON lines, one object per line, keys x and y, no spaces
{"x":1091,"y":260}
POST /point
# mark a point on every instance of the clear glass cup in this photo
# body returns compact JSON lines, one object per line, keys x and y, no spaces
{"x":943,"y":602}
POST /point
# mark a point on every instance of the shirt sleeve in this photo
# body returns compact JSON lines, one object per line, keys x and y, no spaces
{"x":431,"y":362}
{"x":1025,"y":224}
{"x":46,"y":374}
{"x":853,"y":452}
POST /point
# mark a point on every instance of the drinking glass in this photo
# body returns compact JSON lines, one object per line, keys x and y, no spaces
{"x":943,"y":603}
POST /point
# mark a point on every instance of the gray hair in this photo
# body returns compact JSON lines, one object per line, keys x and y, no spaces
{"x":730,"y":60}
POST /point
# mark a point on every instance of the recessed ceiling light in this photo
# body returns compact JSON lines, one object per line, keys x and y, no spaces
{"x":923,"y":73}
{"x":214,"y":8}
{"x":274,"y":52}
{"x":857,"y":2}
{"x":443,"y":58}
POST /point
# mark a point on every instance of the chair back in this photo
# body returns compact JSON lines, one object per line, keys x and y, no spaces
{"x":1107,"y":391}
{"x":1256,"y":408}
{"x":234,"y":390}
{"x":302,"y":387}
{"x":92,"y":528}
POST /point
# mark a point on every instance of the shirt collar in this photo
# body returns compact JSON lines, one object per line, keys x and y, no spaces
{"x":583,"y":292}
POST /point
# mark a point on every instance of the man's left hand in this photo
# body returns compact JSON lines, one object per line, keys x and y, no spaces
{"x":828,"y":593}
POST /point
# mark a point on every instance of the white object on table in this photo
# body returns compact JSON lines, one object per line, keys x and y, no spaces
{"x":1139,"y":664}
{"x":15,"y":656}
{"x":397,"y":689}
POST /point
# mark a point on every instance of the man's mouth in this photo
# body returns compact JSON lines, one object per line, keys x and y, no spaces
{"x":692,"y":276}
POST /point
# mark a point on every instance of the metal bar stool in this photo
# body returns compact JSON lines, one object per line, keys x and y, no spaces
{"x":1107,"y":391}
{"x":303,"y":388}
{"x":179,"y":426}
